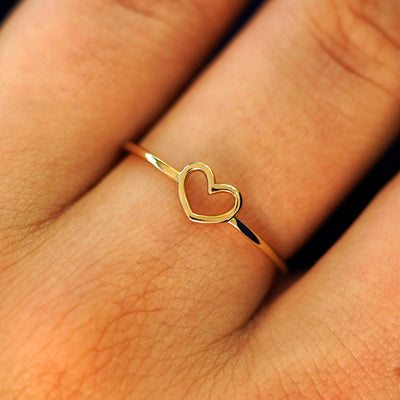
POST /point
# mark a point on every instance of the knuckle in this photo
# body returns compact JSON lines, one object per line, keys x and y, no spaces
{"x":171,"y":12}
{"x":361,"y":36}
{"x":157,"y":24}
{"x":144,"y":8}
{"x":159,"y":9}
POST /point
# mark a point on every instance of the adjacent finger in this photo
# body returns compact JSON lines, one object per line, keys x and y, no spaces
{"x":336,"y":331}
{"x":78,"y":78}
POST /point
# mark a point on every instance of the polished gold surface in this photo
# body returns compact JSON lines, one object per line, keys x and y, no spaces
{"x":212,"y":188}
{"x":229,"y":216}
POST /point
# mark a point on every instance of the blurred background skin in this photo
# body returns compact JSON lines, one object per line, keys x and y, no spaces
{"x":377,"y":177}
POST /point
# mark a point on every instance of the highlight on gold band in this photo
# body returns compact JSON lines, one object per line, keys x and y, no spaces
{"x":213,"y":187}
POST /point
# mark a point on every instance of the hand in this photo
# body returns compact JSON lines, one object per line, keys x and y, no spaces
{"x":107,"y":290}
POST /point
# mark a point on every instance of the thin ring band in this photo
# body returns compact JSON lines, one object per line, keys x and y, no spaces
{"x":230,"y":216}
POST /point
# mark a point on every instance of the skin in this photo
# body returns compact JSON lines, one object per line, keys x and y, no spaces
{"x":107,"y":290}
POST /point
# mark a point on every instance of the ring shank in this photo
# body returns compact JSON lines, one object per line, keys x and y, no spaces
{"x":174,"y":174}
{"x":260,"y":243}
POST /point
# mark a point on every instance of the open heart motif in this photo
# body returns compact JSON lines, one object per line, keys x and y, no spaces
{"x":212,"y":189}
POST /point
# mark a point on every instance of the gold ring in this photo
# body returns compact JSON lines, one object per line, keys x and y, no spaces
{"x":230,"y":216}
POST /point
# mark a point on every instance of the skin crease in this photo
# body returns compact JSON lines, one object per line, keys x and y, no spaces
{"x":107,"y":291}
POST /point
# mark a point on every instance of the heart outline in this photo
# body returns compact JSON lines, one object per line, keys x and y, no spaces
{"x":212,"y":188}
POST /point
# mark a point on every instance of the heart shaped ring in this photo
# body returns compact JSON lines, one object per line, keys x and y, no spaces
{"x":213,"y":187}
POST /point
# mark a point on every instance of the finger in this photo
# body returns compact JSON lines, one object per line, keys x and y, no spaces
{"x":291,"y":167}
{"x":79,"y":78}
{"x":336,"y":331}
{"x":306,"y":127}
{"x":132,"y":276}
{"x":294,"y":167}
